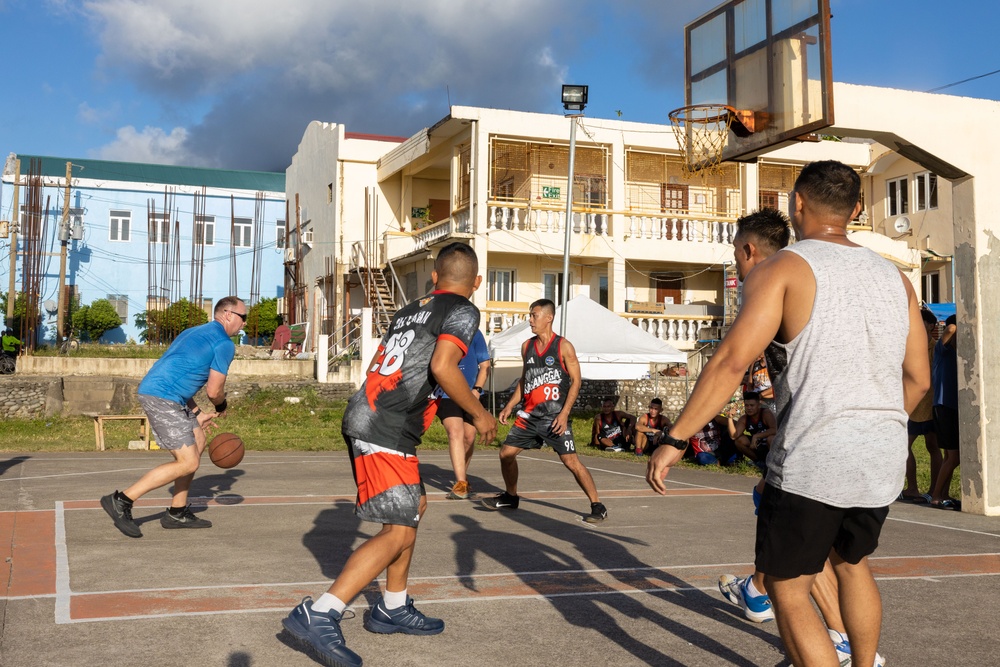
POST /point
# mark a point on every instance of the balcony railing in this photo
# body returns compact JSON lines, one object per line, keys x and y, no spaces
{"x":680,"y":228}
{"x":521,"y":218}
{"x":677,"y":330}
{"x":460,"y":222}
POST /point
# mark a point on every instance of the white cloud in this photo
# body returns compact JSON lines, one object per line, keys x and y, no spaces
{"x":151,"y":145}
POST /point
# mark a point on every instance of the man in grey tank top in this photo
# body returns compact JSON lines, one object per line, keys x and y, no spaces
{"x":838,"y":459}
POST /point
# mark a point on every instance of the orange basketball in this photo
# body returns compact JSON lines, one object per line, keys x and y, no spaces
{"x":226,"y":450}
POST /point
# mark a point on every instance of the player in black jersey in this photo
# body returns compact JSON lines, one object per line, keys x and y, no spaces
{"x":550,"y":381}
{"x":382,"y":426}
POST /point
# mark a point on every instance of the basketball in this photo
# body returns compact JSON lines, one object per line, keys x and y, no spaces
{"x":226,"y":450}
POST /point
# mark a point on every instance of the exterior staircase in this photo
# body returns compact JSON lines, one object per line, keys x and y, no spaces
{"x":379,"y":296}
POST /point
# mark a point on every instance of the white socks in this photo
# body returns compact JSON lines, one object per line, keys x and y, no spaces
{"x":751,"y":588}
{"x":394,"y":600}
{"x":327,"y":602}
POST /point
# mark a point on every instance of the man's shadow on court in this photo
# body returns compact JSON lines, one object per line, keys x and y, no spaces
{"x":215,"y":487}
{"x":438,"y":478}
{"x":10,"y":463}
{"x":523,"y":555}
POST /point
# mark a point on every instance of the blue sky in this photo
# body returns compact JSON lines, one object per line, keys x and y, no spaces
{"x":233,"y":83}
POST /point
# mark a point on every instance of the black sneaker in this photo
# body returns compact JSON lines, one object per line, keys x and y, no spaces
{"x":405,"y":619}
{"x":502,"y":501}
{"x":185,"y":519}
{"x":598,"y":513}
{"x":319,"y":633}
{"x":120,"y":511}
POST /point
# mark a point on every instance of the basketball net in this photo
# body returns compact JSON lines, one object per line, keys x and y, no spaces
{"x":702,"y":131}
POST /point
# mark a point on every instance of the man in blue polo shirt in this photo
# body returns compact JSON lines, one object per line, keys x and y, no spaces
{"x":198,"y":357}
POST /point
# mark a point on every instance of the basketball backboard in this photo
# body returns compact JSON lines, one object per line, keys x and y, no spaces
{"x":769,"y":62}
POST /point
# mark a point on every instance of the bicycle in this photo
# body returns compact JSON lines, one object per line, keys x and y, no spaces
{"x":7,"y":364}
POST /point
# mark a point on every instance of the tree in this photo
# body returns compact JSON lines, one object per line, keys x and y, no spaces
{"x":96,"y":319}
{"x":262,"y":319}
{"x":162,"y":326}
{"x":20,"y":312}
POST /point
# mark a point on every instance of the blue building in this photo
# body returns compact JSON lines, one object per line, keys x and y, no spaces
{"x":141,"y":235}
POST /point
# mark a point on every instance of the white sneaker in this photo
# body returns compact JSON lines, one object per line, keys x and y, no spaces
{"x":843,"y":647}
{"x":729,"y":586}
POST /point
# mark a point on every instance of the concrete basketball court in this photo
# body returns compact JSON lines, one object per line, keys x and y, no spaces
{"x":533,"y":587}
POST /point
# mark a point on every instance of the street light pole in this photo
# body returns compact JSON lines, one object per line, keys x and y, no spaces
{"x":569,"y":227}
{"x":574,"y":98}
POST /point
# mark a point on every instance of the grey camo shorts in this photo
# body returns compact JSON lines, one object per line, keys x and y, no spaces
{"x":172,"y":423}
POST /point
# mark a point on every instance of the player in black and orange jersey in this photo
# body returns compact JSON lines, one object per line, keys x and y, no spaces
{"x":550,"y":382}
{"x":383,"y":424}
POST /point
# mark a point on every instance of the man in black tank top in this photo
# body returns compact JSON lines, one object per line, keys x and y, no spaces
{"x":549,"y":384}
{"x":751,"y":433}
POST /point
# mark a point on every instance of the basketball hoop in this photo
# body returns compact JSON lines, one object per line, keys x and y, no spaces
{"x":702,"y":131}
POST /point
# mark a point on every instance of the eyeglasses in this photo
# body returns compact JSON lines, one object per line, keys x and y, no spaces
{"x":242,"y":315}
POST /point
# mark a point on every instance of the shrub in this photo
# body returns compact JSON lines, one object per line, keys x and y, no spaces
{"x":262,"y":319}
{"x":162,"y":326}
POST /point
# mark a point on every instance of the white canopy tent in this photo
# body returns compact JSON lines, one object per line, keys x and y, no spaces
{"x":608,"y":347}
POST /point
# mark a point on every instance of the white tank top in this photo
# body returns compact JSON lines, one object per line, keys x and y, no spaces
{"x":841,"y":421}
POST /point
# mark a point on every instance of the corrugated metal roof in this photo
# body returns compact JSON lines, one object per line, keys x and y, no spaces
{"x":137,"y":172}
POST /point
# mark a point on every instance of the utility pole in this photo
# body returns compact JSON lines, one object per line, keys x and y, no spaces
{"x":14,"y":225}
{"x":64,"y":242}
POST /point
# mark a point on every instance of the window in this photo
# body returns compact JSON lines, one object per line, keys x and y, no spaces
{"x":602,"y":290}
{"x":501,"y":285}
{"x":241,"y":232}
{"x":280,"y":238}
{"x":204,"y":229}
{"x":590,"y":190}
{"x":552,"y":287}
{"x":159,"y":227}
{"x":897,"y":199}
{"x":120,"y":302}
{"x":120,"y":226}
{"x":673,"y":198}
{"x":932,"y":287}
{"x":927,"y":192}
{"x":768,"y":199}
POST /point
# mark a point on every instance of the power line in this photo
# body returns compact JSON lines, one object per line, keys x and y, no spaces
{"x":971,"y":78}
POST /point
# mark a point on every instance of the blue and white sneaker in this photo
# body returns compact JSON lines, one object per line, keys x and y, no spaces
{"x":843,"y":647}
{"x":319,"y":633}
{"x":756,"y":608}
{"x":404,"y":619}
{"x":729,"y":586}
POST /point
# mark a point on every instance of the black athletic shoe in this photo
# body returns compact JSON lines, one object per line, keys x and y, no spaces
{"x":319,"y":633}
{"x":502,"y":501}
{"x":598,"y":513}
{"x":120,"y":511}
{"x":185,"y":519}
{"x":404,"y":619}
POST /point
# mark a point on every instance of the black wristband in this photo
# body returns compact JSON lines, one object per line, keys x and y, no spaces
{"x":221,"y":407}
{"x":196,"y":411}
{"x":676,"y":443}
{"x":479,"y":389}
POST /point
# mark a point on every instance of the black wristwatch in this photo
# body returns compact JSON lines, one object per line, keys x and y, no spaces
{"x":479,"y":389}
{"x":676,"y":443}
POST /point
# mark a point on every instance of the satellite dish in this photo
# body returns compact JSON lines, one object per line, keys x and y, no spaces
{"x":50,"y":306}
{"x":902,"y":224}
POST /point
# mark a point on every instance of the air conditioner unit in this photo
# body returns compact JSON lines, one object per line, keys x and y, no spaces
{"x":307,"y":237}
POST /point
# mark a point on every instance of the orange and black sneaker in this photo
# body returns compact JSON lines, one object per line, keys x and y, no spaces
{"x":459,"y":492}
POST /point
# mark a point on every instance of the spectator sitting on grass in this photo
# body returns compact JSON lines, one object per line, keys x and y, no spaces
{"x":752,"y":432}
{"x":612,"y":430}
{"x":705,"y":443}
{"x":650,"y":428}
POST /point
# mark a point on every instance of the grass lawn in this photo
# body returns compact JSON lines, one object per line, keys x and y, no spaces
{"x":266,"y":422}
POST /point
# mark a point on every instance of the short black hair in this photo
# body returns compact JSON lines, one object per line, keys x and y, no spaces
{"x":929,"y":317}
{"x":457,"y":262}
{"x":951,"y":320}
{"x":656,"y":401}
{"x":751,"y":396}
{"x":831,"y":185}
{"x":768,"y":227}
{"x":546,"y":304}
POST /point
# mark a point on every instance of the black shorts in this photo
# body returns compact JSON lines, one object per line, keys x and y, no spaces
{"x":946,"y":427}
{"x":919,"y":428}
{"x":449,"y":408}
{"x":795,"y":534}
{"x":532,"y":433}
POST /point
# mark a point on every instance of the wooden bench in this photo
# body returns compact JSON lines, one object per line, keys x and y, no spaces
{"x":99,"y":427}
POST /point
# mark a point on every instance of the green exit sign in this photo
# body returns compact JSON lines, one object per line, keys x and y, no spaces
{"x":549,"y":192}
